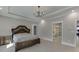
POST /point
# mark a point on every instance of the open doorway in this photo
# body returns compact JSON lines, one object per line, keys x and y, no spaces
{"x":57,"y":33}
{"x":77,"y":33}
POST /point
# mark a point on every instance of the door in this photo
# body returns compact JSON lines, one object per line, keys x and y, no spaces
{"x":57,"y":33}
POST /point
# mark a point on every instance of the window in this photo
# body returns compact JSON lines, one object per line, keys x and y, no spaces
{"x":34,"y":29}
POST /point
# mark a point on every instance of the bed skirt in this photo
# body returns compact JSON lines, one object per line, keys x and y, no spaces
{"x":25,"y":44}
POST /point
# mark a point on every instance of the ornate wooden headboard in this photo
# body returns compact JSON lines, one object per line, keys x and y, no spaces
{"x":20,"y":29}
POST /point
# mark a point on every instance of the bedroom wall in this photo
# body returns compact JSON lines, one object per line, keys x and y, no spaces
{"x":69,"y":29}
{"x":45,"y":30}
{"x":7,"y":23}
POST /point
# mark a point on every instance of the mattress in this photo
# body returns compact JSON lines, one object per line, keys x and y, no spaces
{"x":24,"y":37}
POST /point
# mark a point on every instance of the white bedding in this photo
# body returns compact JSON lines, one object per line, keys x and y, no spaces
{"x":24,"y":37}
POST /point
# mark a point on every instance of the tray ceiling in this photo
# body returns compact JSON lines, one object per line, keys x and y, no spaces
{"x":27,"y":11}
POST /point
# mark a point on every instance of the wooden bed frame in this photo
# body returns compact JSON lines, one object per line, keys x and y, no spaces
{"x":20,"y":45}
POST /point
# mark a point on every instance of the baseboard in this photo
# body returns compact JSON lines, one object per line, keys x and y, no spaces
{"x":68,"y":44}
{"x":47,"y":39}
{"x":64,"y":43}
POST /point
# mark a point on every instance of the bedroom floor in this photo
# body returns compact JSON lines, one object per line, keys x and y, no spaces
{"x":45,"y":46}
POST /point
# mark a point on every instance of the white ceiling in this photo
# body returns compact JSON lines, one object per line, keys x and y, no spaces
{"x":27,"y":11}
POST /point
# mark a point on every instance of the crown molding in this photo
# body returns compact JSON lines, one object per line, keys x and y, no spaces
{"x":49,"y":15}
{"x":56,"y":12}
{"x":64,"y":14}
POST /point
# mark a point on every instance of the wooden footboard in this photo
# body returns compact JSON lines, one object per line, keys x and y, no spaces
{"x":24,"y":44}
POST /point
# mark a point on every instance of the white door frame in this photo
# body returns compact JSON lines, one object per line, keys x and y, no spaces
{"x":62,"y":28}
{"x":75,"y":33}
